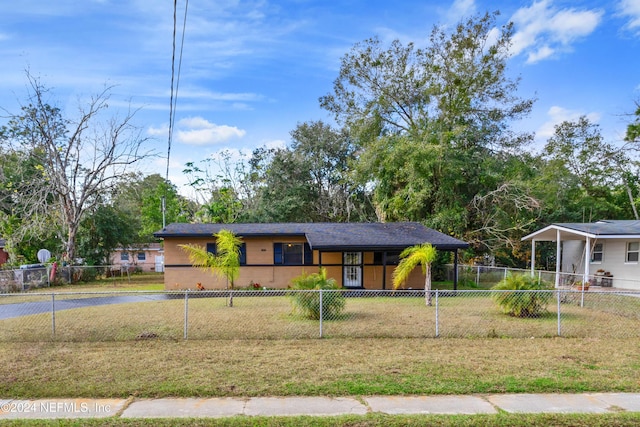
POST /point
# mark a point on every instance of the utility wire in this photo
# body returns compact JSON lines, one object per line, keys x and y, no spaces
{"x":174,"y":86}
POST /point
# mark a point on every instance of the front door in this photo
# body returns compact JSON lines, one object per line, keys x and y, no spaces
{"x":352,"y":269}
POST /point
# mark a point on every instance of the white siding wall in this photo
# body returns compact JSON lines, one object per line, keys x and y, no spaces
{"x":625,"y":275}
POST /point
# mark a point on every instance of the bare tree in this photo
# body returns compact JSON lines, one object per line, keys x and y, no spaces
{"x":78,"y":160}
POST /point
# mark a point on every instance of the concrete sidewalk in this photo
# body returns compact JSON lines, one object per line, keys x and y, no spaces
{"x":318,"y":406}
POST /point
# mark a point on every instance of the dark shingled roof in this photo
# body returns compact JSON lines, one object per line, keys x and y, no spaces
{"x":330,"y":236}
{"x":611,"y":229}
{"x":605,"y":227}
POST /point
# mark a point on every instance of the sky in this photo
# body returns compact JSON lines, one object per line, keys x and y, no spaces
{"x":252,"y":70}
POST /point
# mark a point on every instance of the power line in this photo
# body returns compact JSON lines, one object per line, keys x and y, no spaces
{"x":174,"y":87}
{"x":174,"y":93}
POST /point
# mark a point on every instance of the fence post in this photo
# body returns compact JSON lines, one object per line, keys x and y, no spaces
{"x":478,"y":275}
{"x":53,"y":315}
{"x":559,"y":299}
{"x":505,"y":273}
{"x":321,"y":314}
{"x":186,"y":314}
{"x":437,"y":326}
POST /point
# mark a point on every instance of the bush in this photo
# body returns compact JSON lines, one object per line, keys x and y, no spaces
{"x":308,"y":303}
{"x":525,"y":303}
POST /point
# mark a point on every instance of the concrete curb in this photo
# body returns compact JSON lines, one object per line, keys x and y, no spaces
{"x":595,"y":403}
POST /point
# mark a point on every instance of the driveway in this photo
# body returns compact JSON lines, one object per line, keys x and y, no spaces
{"x":8,"y":311}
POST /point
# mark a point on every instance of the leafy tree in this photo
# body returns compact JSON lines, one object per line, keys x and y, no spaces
{"x":456,"y":87}
{"x":154,"y":191}
{"x":587,"y":169}
{"x":522,"y":295}
{"x":310,"y":180}
{"x":78,"y":158}
{"x":224,"y":263}
{"x":309,"y":303}
{"x":104,"y":230}
{"x":422,"y":255}
{"x":433,"y":126}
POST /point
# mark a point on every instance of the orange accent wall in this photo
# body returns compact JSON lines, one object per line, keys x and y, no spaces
{"x":260,"y":269}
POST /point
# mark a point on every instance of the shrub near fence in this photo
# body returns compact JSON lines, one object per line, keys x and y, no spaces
{"x":124,"y":316}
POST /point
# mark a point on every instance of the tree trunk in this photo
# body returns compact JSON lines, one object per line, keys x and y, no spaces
{"x":427,"y":285}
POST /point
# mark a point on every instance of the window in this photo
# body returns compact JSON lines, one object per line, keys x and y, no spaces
{"x":124,"y":256}
{"x":211,"y":248}
{"x":142,"y":256}
{"x":393,"y":257}
{"x":633,"y":250}
{"x":292,"y":254}
{"x":597,"y":253}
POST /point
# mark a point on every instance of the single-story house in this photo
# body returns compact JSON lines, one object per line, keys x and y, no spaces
{"x":356,"y":255}
{"x":606,"y":253}
{"x":145,"y":257}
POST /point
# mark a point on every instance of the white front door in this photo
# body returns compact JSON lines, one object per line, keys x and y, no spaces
{"x":352,"y":269}
{"x":159,"y":263}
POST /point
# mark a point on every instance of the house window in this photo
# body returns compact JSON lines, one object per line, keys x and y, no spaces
{"x":598,"y":253}
{"x":292,"y":254}
{"x":142,"y":256}
{"x":124,"y":256}
{"x":393,"y":257}
{"x":633,"y":250}
{"x":212,"y":249}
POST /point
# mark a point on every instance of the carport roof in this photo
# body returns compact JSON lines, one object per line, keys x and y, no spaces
{"x":605,"y":229}
{"x":329,"y":236}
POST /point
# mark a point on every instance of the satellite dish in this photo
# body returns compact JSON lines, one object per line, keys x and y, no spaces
{"x":44,"y":255}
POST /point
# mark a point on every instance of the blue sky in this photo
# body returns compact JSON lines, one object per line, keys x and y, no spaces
{"x":252,"y":70}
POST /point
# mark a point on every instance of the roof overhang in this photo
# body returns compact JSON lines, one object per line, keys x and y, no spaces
{"x":550,"y":234}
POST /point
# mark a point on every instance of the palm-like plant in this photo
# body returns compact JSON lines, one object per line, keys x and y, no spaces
{"x":423,"y":255}
{"x":226,"y":261}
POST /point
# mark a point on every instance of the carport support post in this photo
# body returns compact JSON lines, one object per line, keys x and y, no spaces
{"x":533,"y":256}
{"x":53,"y":315}
{"x":455,"y":269}
{"x":558,"y":258}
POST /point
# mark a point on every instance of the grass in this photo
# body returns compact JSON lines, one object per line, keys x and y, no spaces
{"x":302,"y":365}
{"x":260,"y":316}
{"x":370,"y":420}
{"x":337,"y":367}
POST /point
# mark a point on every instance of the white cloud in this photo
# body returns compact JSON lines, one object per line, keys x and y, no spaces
{"x":543,"y":30}
{"x":199,"y":131}
{"x":631,"y":10}
{"x":558,"y":115}
{"x":460,"y":9}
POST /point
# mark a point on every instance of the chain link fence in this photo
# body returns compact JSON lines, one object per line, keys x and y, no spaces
{"x":288,"y":314}
{"x":34,"y":276}
{"x":487,"y":276}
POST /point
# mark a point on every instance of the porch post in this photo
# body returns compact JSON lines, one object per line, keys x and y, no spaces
{"x":558,"y":258}
{"x":384,"y":270}
{"x":587,"y":259}
{"x":455,"y":269}
{"x":533,"y":256}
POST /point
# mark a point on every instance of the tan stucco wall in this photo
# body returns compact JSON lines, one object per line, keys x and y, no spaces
{"x":260,"y":269}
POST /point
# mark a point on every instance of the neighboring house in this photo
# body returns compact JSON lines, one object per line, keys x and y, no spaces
{"x":4,"y":256}
{"x":146,"y":257}
{"x":357,"y":255}
{"x":605,"y":252}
